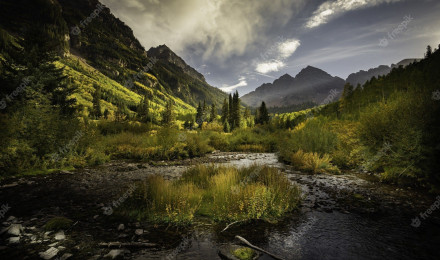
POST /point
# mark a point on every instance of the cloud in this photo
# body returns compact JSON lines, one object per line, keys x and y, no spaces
{"x":242,"y":83}
{"x":216,"y":28}
{"x":288,"y":47}
{"x":274,"y":59}
{"x":331,"y":9}
{"x":266,"y":67}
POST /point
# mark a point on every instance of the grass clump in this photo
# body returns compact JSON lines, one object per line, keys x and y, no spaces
{"x":58,"y":223}
{"x":217,"y":192}
{"x":244,"y":253}
{"x":313,"y":162}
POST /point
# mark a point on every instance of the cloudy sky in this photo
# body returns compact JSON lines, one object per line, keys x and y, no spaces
{"x":240,"y":44}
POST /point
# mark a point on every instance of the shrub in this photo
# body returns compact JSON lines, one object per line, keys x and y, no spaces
{"x":313,"y":162}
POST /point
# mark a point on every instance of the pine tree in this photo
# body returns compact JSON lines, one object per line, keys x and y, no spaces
{"x":230,"y":110}
{"x":428,"y":51}
{"x":168,"y":114}
{"x":143,"y":110}
{"x":236,"y":114}
{"x":213,"y":114}
{"x":225,"y":112}
{"x":199,"y":115}
{"x":96,"y":111}
{"x":263,"y":114}
{"x":106,"y":113}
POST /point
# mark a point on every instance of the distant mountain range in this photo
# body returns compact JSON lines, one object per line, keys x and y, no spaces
{"x":311,"y":86}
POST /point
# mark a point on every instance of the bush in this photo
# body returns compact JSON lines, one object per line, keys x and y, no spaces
{"x":313,"y":162}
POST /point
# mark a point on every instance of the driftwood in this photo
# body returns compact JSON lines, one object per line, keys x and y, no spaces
{"x":244,"y":241}
{"x":132,"y":244}
{"x":228,"y":226}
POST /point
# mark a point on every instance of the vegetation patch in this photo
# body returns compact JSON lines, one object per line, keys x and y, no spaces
{"x":217,"y":192}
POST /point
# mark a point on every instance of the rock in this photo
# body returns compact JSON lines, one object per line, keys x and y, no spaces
{"x":139,"y":232}
{"x":115,"y":253}
{"x":13,"y":240}
{"x":53,"y":244}
{"x":49,"y":253}
{"x":15,"y":229}
{"x":66,"y":256}
{"x":61,"y":248}
{"x":96,"y":216}
{"x":11,"y":219}
{"x":60,"y":236}
{"x":121,"y":227}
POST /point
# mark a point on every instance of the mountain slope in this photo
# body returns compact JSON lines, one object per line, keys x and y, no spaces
{"x":310,"y":85}
{"x":108,"y":47}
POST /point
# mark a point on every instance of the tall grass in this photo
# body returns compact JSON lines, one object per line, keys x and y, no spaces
{"x":220,"y":193}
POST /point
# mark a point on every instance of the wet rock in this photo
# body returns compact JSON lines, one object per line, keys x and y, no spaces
{"x":115,"y":254}
{"x":13,"y":240}
{"x":139,"y":232}
{"x":66,"y":256}
{"x":53,"y":244}
{"x":11,"y":219}
{"x":121,"y":227}
{"x":15,"y":229}
{"x":60,"y":236}
{"x":49,"y":253}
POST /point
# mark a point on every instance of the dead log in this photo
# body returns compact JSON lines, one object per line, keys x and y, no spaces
{"x":131,"y":244}
{"x":244,"y":241}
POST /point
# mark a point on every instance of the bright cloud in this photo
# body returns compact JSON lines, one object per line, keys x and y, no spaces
{"x":270,"y":66}
{"x":242,"y":83}
{"x":287,"y":48}
{"x":332,"y":9}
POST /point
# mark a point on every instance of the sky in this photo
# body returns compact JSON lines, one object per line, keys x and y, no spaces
{"x":241,"y":44}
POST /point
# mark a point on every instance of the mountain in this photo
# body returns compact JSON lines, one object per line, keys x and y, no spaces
{"x":96,"y":48}
{"x":362,"y":76}
{"x":310,"y":85}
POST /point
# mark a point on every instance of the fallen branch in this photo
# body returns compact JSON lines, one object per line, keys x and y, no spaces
{"x":132,"y":244}
{"x":244,"y":241}
{"x":228,"y":226}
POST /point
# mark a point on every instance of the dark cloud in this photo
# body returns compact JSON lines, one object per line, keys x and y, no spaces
{"x":238,"y":45}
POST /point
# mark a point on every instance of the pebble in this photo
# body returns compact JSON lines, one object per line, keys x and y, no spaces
{"x":13,"y":240}
{"x":60,"y":236}
{"x":139,"y":232}
{"x":49,"y":253}
{"x":121,"y":227}
{"x":114,"y":253}
{"x":15,"y":229}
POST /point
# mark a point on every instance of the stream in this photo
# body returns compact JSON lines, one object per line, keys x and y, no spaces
{"x":341,"y":217}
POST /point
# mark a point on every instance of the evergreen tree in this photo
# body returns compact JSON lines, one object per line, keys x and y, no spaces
{"x":230,"y":110}
{"x":236,"y":113}
{"x":106,"y":113}
{"x":199,"y":115}
{"x":143,"y":110}
{"x":168,"y":116}
{"x":225,"y":112}
{"x":428,"y":51}
{"x":96,"y":111}
{"x":263,"y":114}
{"x":213,"y":114}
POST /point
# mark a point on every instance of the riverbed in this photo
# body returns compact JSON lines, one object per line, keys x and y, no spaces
{"x":341,"y":217}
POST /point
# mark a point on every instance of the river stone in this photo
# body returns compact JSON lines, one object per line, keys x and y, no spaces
{"x":15,"y":229}
{"x":49,"y":253}
{"x":121,"y":227}
{"x":66,"y":256}
{"x":60,"y":236}
{"x":139,"y":232}
{"x":115,"y":253}
{"x":14,"y":240}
